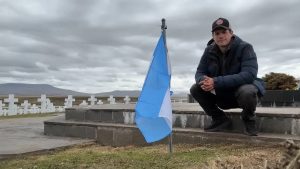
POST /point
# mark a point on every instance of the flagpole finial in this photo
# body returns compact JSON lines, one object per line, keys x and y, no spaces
{"x":163,"y":24}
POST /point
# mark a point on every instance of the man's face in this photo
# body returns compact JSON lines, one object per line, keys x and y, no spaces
{"x":222,"y":37}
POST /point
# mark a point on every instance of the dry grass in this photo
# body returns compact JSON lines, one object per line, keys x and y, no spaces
{"x":184,"y":156}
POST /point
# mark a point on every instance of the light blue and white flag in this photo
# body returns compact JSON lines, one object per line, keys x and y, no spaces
{"x":153,"y":110}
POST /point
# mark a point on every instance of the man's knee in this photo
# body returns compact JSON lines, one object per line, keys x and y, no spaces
{"x":247,"y":91}
{"x":197,"y":93}
{"x":247,"y":94}
{"x":194,"y":90}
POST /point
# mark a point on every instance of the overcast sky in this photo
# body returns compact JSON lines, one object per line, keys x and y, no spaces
{"x":103,"y":45}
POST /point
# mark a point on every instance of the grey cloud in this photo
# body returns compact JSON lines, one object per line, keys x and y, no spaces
{"x":105,"y":45}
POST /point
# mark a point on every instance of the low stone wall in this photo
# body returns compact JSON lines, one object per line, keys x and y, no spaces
{"x":274,"y":98}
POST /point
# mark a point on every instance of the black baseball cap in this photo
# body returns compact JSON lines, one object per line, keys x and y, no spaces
{"x":220,"y":23}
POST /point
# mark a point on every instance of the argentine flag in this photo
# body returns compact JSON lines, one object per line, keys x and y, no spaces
{"x":153,"y":109}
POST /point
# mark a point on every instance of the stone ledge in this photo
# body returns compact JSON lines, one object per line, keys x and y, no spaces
{"x":285,"y":123}
{"x":192,"y":108}
{"x":121,"y":135}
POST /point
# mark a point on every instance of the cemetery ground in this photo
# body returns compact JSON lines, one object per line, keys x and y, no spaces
{"x":155,"y":156}
{"x":83,"y":155}
{"x":30,"y":115}
{"x":24,"y":145}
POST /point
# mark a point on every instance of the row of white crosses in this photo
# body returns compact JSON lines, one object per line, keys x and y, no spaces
{"x":111,"y":100}
{"x":46,"y":105}
{"x":69,"y":101}
{"x":93,"y":101}
{"x":25,"y":108}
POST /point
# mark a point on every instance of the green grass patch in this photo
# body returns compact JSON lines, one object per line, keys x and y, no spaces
{"x":29,"y":115}
{"x":95,"y":156}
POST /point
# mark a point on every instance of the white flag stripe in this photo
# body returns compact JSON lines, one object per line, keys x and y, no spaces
{"x":166,"y":109}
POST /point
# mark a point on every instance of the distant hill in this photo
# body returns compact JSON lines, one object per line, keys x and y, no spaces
{"x":21,"y":89}
{"x":132,"y":93}
{"x":120,"y":93}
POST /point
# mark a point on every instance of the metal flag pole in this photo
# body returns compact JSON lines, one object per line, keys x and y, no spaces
{"x":163,"y":28}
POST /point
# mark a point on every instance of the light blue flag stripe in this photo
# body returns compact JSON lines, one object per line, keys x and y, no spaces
{"x":152,"y":122}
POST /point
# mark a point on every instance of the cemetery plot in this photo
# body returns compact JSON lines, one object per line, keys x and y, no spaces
{"x":14,"y":106}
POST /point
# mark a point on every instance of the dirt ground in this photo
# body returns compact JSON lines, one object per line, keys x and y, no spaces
{"x":285,"y":155}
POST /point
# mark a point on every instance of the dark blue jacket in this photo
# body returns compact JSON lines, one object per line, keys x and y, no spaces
{"x":237,"y":67}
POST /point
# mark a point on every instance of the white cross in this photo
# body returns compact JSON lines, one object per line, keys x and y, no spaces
{"x":111,"y":100}
{"x":84,"y":103}
{"x":15,"y":110}
{"x":11,"y":104}
{"x":50,"y":107}
{"x":43,"y":100}
{"x":1,"y":108}
{"x":92,"y":99}
{"x":69,"y":101}
{"x":99,"y":102}
{"x":25,"y":106}
{"x":34,"y":109}
{"x":127,"y":99}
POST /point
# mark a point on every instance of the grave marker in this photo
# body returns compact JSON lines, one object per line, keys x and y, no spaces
{"x":111,"y":100}
{"x":49,"y":106}
{"x":34,"y":109}
{"x":83,"y":103}
{"x":99,"y":102}
{"x":43,"y":100}
{"x":92,"y":99}
{"x":12,"y":108}
{"x":69,"y":101}
{"x":25,"y":105}
{"x":127,"y":99}
{"x":1,"y":108}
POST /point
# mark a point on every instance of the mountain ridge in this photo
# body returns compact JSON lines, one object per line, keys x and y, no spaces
{"x":26,"y":89}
